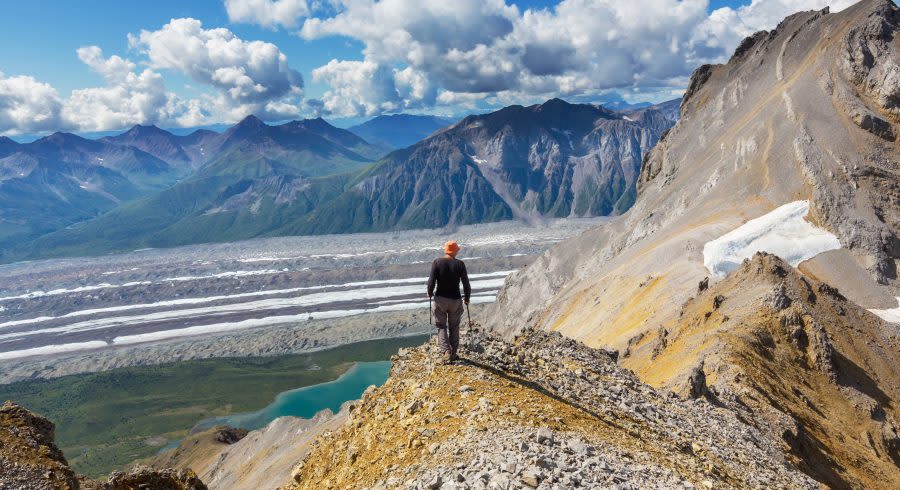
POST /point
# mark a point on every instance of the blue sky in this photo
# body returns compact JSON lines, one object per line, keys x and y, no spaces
{"x":40,"y":38}
{"x":372,"y":72}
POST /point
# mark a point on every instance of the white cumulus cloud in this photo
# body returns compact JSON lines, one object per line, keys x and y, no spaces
{"x":726,"y":26}
{"x":368,"y":88}
{"x":267,"y":13}
{"x":488,"y":50}
{"x":236,"y":77}
{"x":245,"y":72}
{"x":417,"y":54}
{"x":128,"y":98}
{"x":27,"y":105}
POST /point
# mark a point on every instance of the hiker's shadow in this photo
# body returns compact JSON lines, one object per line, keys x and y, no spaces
{"x":534,"y":386}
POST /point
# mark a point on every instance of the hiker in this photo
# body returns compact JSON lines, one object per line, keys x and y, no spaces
{"x":443,"y":285}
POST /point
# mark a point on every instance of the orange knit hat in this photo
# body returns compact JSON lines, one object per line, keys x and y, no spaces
{"x":451,"y":247}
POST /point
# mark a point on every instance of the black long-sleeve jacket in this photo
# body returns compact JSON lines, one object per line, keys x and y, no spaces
{"x":446,"y":274}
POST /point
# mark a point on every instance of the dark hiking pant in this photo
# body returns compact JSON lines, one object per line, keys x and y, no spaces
{"x":447,"y":314}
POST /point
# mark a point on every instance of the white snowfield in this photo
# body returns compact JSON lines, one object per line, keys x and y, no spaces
{"x":891,"y":315}
{"x":783,"y":232}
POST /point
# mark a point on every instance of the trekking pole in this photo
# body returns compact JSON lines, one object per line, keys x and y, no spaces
{"x":429,"y":311}
{"x":469,"y":315}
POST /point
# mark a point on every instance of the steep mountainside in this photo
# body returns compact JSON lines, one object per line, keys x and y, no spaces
{"x":543,"y":411}
{"x":63,"y":179}
{"x":399,"y":130}
{"x":555,"y":159}
{"x":797,"y":134}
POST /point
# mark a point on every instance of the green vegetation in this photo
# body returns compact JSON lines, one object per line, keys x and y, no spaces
{"x":106,"y":420}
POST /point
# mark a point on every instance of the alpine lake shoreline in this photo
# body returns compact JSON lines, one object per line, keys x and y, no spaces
{"x":107,"y":420}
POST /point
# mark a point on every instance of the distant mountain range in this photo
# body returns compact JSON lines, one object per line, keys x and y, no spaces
{"x":309,"y":177}
{"x":183,"y":151}
{"x":64,"y":179}
{"x":400,"y":130}
{"x":249,"y":180}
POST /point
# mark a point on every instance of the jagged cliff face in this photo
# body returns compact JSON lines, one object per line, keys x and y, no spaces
{"x":806,"y":112}
{"x":29,"y":457}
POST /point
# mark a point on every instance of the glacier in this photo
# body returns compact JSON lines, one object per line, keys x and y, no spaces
{"x":783,"y":232}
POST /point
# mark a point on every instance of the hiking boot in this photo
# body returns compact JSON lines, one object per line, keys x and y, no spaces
{"x":454,"y":358}
{"x":448,"y":358}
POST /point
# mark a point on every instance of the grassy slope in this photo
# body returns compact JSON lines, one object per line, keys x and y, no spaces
{"x":103,"y":420}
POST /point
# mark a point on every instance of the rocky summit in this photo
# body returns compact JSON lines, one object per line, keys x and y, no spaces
{"x":542,"y":411}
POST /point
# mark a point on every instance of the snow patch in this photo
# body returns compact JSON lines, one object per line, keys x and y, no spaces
{"x":891,"y":315}
{"x":477,"y":160}
{"x":783,"y":232}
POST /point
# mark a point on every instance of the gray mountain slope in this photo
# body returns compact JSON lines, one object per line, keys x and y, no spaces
{"x":807,"y":111}
{"x":550,"y":160}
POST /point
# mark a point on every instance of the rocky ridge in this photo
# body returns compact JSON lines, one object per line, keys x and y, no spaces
{"x":29,"y":457}
{"x":800,"y":357}
{"x":542,"y":411}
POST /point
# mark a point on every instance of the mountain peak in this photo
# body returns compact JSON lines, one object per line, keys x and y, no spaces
{"x":562,"y":108}
{"x":315,"y":122}
{"x":251,"y":121}
{"x":60,"y":137}
{"x":149,"y":128}
{"x":7,"y":146}
{"x":555,"y":102}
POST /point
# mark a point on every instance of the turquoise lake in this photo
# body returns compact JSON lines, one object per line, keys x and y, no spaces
{"x":307,"y":401}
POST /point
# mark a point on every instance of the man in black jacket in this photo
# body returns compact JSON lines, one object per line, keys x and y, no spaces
{"x":443,"y":284}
